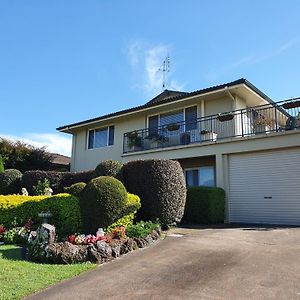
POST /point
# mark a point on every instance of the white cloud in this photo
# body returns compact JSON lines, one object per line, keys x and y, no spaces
{"x":55,"y":143}
{"x":145,"y":61}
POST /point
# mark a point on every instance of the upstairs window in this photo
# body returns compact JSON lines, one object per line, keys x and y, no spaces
{"x":101,"y":137}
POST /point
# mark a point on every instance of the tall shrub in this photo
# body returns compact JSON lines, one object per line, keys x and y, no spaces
{"x":1,"y":164}
{"x":10,"y":181}
{"x":204,"y":205}
{"x":109,"y":168}
{"x":102,"y":202}
{"x":161,"y":187}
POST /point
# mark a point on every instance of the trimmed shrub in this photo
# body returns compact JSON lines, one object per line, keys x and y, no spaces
{"x":64,"y":208}
{"x":133,"y":203}
{"x":109,"y":168}
{"x":75,"y":189}
{"x":102,"y":202}
{"x":58,"y":180}
{"x":1,"y":164}
{"x":204,"y":205}
{"x":10,"y":181}
{"x":161,"y":187}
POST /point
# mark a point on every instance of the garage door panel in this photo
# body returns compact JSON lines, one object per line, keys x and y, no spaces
{"x":265,"y":187}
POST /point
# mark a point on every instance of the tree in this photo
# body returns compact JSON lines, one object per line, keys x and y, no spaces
{"x":1,"y":164}
{"x":24,"y":157}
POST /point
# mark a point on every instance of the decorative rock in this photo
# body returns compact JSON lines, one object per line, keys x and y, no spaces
{"x":104,"y":250}
{"x":94,"y":255}
{"x":48,"y":192}
{"x":24,"y":192}
{"x":116,"y":249}
{"x":38,"y":242}
{"x":128,"y":245}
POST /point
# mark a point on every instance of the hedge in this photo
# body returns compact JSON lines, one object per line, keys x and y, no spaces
{"x":102,"y":202}
{"x":204,"y":205}
{"x":109,"y":168}
{"x":75,"y":189}
{"x":128,"y":219}
{"x":161,"y":187}
{"x":10,"y":180}
{"x":58,"y":180}
{"x":64,"y":208}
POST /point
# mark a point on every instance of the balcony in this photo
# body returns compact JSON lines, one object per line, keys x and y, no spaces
{"x":251,"y":121}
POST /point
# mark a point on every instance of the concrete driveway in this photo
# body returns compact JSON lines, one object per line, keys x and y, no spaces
{"x":229,"y":263}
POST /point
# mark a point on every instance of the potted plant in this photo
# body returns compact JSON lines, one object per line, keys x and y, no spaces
{"x":262,"y":124}
{"x":173,"y":126}
{"x":207,"y":135}
{"x":225,"y":117}
{"x":134,"y":140}
{"x":185,"y":138}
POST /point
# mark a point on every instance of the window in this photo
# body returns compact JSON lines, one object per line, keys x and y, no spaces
{"x":203,"y":176}
{"x":189,"y":115}
{"x":101,"y":137}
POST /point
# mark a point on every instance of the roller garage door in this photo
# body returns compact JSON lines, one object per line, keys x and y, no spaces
{"x":265,"y":187}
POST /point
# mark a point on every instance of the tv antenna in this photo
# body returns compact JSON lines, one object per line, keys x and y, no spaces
{"x":165,"y":68}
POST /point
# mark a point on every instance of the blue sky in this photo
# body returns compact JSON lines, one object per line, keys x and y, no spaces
{"x":67,"y":61}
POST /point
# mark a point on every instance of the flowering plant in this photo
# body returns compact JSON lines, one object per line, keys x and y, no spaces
{"x":79,"y":239}
{"x":119,"y":233}
{"x":2,"y":231}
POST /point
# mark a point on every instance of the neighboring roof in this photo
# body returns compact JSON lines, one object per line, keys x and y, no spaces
{"x":59,"y":159}
{"x":170,"y":96}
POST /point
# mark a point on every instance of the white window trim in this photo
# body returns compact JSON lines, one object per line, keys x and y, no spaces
{"x":107,"y":142}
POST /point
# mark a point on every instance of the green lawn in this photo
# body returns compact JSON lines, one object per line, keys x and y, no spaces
{"x":20,"y":278}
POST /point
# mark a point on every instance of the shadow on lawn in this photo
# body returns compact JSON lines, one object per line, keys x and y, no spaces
{"x":12,"y":254}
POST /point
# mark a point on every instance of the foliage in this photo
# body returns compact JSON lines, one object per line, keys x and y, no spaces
{"x":75,"y":189}
{"x":64,"y":208}
{"x":205,"y":205}
{"x":161,"y":187}
{"x":109,"y":168}
{"x":141,"y":229}
{"x":125,"y":221}
{"x":39,"y":189}
{"x":1,"y":164}
{"x":58,"y":180}
{"x":18,"y":155}
{"x":102,"y":202}
{"x":10,"y":181}
{"x":21,"y":278}
{"x":10,"y":236}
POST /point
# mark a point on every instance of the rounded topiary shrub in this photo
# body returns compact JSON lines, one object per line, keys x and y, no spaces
{"x":75,"y":189}
{"x":161,"y":187}
{"x":109,"y":168}
{"x":10,"y":180}
{"x":102,"y":202}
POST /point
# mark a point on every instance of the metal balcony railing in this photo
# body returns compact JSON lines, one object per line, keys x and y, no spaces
{"x":264,"y":119}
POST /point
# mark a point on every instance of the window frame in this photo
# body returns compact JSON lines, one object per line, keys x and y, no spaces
{"x":198,"y":169}
{"x":170,"y":111}
{"x":107,"y":139}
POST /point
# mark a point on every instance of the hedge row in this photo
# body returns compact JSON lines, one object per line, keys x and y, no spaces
{"x":204,"y":205}
{"x":161,"y":187}
{"x":58,"y":180}
{"x":64,"y":208}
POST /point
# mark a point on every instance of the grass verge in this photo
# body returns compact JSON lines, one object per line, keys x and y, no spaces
{"x":20,"y":278}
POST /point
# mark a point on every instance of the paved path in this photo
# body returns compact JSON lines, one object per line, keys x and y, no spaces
{"x":232,"y":263}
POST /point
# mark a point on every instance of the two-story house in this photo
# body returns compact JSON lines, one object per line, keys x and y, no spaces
{"x":231,"y":135}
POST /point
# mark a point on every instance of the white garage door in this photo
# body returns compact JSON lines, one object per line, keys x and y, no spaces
{"x":265,"y":187}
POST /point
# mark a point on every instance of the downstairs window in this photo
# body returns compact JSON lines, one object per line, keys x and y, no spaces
{"x":202,"y":176}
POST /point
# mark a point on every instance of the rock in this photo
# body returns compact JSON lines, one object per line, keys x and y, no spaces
{"x":94,"y":256}
{"x":66,"y":253}
{"x":128,"y":245}
{"x":104,"y":250}
{"x":116,"y":249}
{"x":38,"y":242}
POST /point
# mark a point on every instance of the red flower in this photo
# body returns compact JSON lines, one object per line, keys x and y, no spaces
{"x":71,"y":239}
{"x":28,"y":224}
{"x":2,"y":229}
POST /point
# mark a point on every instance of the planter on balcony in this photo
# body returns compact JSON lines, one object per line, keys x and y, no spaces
{"x":225,"y":117}
{"x":292,"y":104}
{"x":173,"y":127}
{"x":208,"y":136}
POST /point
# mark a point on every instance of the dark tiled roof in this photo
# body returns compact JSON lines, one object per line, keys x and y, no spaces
{"x":60,"y":159}
{"x":173,"y":96}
